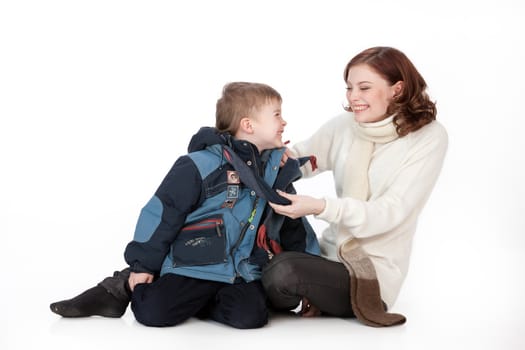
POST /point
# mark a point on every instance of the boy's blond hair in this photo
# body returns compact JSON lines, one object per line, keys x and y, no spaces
{"x":238,"y":100}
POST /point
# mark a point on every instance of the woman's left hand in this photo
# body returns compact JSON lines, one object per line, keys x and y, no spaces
{"x":286,"y":154}
{"x":300,"y":206}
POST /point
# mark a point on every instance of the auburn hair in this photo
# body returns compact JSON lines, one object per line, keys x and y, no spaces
{"x":413,"y":108}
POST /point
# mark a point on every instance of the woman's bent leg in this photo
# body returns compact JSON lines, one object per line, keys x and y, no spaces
{"x":290,"y":276}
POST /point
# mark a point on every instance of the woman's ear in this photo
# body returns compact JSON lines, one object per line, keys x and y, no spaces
{"x":398,"y":88}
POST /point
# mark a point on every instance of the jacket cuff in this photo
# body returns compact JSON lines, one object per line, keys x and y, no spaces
{"x":138,"y":268}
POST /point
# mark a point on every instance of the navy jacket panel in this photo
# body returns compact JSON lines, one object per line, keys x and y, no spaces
{"x":160,"y":220}
{"x":207,"y":136}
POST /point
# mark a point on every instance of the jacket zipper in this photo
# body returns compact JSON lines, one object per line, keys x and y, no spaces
{"x":245,"y":227}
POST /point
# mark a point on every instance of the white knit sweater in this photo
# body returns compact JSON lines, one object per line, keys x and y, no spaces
{"x":402,"y":174}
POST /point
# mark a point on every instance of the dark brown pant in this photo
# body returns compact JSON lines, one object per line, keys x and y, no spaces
{"x":292,"y":275}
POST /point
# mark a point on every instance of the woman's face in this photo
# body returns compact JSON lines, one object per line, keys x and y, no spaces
{"x":369,"y":94}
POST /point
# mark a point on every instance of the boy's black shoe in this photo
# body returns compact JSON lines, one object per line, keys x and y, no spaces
{"x":110,"y":298}
{"x":96,"y":301}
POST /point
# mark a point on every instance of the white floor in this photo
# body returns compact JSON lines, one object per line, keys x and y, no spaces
{"x":451,"y":300}
{"x":433,"y":325}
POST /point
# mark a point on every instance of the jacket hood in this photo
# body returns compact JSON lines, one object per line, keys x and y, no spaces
{"x":207,"y":136}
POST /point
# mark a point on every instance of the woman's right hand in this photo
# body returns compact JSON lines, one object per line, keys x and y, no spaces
{"x":139,"y":277}
{"x":300,"y":206}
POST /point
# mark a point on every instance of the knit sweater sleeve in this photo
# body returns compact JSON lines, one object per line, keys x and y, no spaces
{"x":323,"y":144}
{"x":407,"y":191}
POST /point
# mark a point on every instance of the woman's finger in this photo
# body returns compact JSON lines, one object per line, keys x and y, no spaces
{"x":285,"y":195}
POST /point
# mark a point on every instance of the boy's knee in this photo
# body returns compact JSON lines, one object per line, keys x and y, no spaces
{"x":242,"y":306}
{"x":243,"y":318}
{"x":150,"y":312}
{"x":251,"y":321}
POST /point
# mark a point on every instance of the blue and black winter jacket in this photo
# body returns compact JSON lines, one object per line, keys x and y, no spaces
{"x":200,"y":224}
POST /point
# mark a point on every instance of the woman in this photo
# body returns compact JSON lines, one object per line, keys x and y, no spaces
{"x":386,"y":153}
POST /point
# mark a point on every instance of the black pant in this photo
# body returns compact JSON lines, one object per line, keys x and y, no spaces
{"x":172,"y":299}
{"x":291,"y":275}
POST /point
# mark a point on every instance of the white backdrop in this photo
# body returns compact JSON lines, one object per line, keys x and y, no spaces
{"x":98,"y":99}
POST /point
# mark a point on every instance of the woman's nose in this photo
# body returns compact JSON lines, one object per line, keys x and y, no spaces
{"x":352,"y":95}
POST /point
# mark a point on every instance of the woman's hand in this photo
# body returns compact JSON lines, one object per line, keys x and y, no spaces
{"x":287,"y":154}
{"x":139,"y":277}
{"x":301,"y":205}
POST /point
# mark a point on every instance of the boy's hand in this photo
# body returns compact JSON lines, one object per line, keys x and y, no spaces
{"x":139,"y":277}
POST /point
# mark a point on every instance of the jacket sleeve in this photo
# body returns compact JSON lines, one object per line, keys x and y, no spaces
{"x":163,"y":216}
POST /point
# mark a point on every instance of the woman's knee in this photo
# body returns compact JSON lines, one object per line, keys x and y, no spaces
{"x":282,"y":272}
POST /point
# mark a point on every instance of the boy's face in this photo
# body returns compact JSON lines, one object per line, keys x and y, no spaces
{"x":268,"y":126}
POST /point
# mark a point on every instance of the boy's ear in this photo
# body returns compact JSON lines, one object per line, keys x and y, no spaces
{"x":246,"y":125}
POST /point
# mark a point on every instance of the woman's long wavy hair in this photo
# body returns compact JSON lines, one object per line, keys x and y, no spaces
{"x":412,"y":107}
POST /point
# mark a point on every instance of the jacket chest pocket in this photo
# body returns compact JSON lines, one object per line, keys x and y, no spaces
{"x":200,"y":243}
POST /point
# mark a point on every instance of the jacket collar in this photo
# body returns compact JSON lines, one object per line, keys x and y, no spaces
{"x":248,"y":152}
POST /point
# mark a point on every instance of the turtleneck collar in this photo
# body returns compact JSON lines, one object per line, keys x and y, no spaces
{"x":383,"y":131}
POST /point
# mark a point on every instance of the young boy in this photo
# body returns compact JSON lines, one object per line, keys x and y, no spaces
{"x":201,"y":241}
